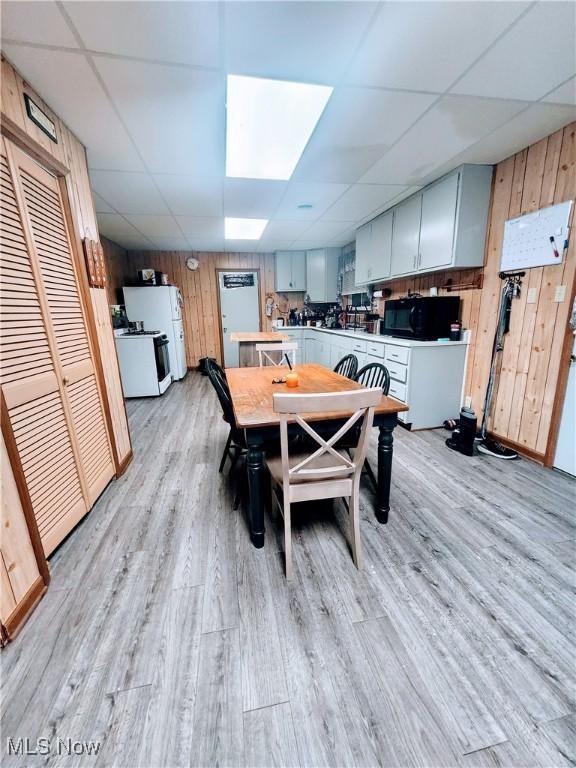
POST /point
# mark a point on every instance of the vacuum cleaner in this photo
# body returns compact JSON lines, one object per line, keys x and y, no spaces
{"x":510,"y":290}
{"x":464,"y":436}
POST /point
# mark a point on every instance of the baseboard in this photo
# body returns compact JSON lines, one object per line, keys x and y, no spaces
{"x":539,"y":458}
{"x":123,"y":466}
{"x":17,"y":618}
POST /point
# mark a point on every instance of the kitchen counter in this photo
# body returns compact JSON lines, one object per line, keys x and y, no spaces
{"x":247,"y":341}
{"x":372,"y":337}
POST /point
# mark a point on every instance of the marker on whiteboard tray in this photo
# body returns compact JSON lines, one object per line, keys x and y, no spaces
{"x":553,"y":241}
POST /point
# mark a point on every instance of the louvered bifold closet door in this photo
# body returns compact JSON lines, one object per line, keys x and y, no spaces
{"x":30,"y":382}
{"x":52,"y":245}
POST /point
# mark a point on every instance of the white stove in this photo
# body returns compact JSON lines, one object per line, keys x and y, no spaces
{"x":144,"y":362}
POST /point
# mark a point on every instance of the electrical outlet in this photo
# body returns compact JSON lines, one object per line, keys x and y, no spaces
{"x":531,"y":296}
{"x":560,"y":293}
{"x":468,"y":401}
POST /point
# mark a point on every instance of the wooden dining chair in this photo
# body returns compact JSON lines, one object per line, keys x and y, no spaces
{"x":373,"y":375}
{"x":325,"y":472}
{"x":235,"y":442}
{"x":347,"y":366}
{"x":281,"y":348}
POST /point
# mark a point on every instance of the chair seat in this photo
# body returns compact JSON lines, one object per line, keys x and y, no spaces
{"x":324,"y":461}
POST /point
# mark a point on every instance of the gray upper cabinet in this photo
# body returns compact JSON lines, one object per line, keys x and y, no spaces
{"x":290,"y":271}
{"x":406,"y":236}
{"x":322,"y":274}
{"x":363,"y":254}
{"x":374,"y":250}
{"x":441,"y":227}
{"x":437,"y":224}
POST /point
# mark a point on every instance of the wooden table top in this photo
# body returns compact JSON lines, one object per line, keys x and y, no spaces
{"x":252,"y":389}
{"x":255,"y":337}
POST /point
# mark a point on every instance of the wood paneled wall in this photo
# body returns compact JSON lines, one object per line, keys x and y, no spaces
{"x":200,"y":290}
{"x":534,"y":362}
{"x":69,"y":158}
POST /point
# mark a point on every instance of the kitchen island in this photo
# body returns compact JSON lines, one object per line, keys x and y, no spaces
{"x":247,"y":341}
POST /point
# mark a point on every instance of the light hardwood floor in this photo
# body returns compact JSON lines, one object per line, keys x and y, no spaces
{"x":168,"y":638}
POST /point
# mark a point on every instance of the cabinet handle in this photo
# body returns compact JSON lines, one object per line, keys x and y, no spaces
{"x":66,"y":380}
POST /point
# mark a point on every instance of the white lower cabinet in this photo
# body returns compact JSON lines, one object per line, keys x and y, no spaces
{"x":427,"y":376}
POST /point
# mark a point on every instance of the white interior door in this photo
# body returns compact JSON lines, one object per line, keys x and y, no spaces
{"x":565,"y":458}
{"x":240,"y":309}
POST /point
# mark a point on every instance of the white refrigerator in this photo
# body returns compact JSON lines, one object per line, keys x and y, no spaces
{"x":160,"y":308}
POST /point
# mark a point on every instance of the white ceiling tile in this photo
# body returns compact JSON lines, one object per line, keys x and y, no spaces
{"x":252,"y":198}
{"x":325,"y":230}
{"x":66,"y":82}
{"x":116,"y":228}
{"x":266,"y":245}
{"x":185,"y":32}
{"x":304,"y":41}
{"x":171,"y":243}
{"x":154,"y":226}
{"x":128,"y":192}
{"x":361,"y":200}
{"x":201,"y":228}
{"x":320,"y":196}
{"x":100,"y":205}
{"x":284,"y":229}
{"x":527,"y":128}
{"x":444,"y":132}
{"x":304,"y":244}
{"x":206,"y":244}
{"x":536,"y":55}
{"x":427,"y":45}
{"x":189,"y":196}
{"x":241,"y":246}
{"x":356,"y":128}
{"x":175,"y":115}
{"x":36,"y":22}
{"x":565,"y":94}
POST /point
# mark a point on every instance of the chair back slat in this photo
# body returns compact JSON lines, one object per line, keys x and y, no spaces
{"x":218,"y":380}
{"x":374,"y":375}
{"x":281,"y":348}
{"x":329,"y":462}
{"x":347,"y":366}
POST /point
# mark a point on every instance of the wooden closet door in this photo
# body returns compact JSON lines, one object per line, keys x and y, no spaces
{"x":70,"y":421}
{"x":30,"y":383}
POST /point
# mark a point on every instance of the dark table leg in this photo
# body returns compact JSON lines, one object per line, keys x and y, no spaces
{"x":385,"y":443}
{"x":255,"y":464}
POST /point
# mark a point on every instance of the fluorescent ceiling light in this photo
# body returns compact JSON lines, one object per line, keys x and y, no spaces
{"x":268,"y":125}
{"x":244,"y":229}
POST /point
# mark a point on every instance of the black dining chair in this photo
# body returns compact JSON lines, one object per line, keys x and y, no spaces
{"x":373,"y":375}
{"x":347,"y":366}
{"x":235,"y":443}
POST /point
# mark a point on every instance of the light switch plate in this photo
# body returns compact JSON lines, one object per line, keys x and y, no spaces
{"x":531,"y":296}
{"x":560,"y":293}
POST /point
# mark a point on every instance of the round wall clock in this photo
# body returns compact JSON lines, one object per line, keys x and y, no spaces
{"x":192,"y":263}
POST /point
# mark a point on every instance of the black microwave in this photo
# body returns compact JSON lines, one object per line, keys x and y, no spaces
{"x":424,"y":318}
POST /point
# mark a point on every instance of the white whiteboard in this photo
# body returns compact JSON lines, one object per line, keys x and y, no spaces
{"x":527,"y":238}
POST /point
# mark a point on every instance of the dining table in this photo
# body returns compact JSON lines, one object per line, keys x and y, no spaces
{"x":252,"y":390}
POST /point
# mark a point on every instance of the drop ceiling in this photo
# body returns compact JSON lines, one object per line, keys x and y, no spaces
{"x":419,"y":87}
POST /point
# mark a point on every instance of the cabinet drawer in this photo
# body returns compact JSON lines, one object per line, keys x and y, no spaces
{"x":397,"y":390}
{"x":359,"y":346}
{"x":397,"y":371}
{"x":397,"y":354}
{"x":377,"y":350}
